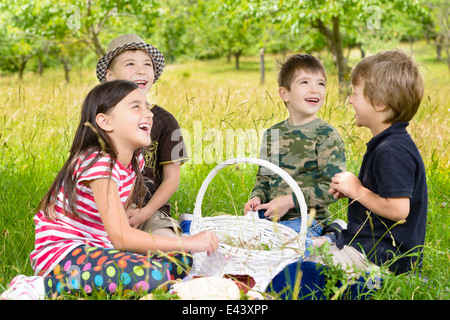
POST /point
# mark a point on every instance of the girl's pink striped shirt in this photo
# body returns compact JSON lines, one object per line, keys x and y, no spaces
{"x":55,"y":238}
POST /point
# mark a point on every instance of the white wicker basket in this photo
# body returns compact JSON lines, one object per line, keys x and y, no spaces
{"x":286,"y":246}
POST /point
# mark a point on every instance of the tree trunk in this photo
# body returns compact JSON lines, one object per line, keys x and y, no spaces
{"x":67,"y":68}
{"x":40,"y":67}
{"x":335,"y":43}
{"x":22,"y":65}
{"x":411,"y":41}
{"x":94,"y":32}
{"x":97,"y":46}
{"x":448,"y":58}
{"x":237,"y":55}
{"x":363,"y":53}
{"x":67,"y":71}
{"x":341,"y":61}
{"x":262,"y":67}
{"x":439,"y":46}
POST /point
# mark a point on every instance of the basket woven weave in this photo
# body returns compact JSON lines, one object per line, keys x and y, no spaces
{"x":283,"y":245}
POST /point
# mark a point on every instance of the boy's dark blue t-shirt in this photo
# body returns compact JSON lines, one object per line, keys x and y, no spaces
{"x":392,"y":167}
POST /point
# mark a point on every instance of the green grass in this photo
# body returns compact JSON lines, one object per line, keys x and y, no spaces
{"x":38,"y":116}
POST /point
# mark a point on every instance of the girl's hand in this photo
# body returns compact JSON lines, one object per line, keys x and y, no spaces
{"x":200,"y":242}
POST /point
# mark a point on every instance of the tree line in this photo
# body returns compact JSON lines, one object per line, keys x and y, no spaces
{"x":67,"y":32}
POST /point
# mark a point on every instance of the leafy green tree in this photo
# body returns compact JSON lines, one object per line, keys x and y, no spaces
{"x":89,"y":19}
{"x":20,"y":42}
{"x":439,"y":27}
{"x":236,"y":25}
{"x":337,"y":21}
{"x":176,"y":30}
{"x":64,"y":30}
{"x":36,"y":28}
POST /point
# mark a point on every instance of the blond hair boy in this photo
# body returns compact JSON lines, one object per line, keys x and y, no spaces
{"x":387,"y":210}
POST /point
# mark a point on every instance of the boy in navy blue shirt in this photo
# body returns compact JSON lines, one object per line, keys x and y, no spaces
{"x":387,"y":209}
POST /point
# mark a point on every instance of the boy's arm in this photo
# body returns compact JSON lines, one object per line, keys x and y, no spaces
{"x":260,"y":193}
{"x":168,"y":186}
{"x":261,"y":188}
{"x":346,"y":184}
{"x":259,"y":199}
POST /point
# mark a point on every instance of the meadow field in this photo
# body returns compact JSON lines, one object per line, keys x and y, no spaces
{"x":222,"y":112}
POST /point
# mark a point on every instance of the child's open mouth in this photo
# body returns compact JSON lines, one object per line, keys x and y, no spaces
{"x":145,"y":127}
{"x":141,"y":83}
{"x":312,"y":100}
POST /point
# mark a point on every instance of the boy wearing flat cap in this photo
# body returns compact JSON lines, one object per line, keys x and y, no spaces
{"x":129,"y":57}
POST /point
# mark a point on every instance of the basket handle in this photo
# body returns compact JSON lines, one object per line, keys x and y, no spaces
{"x":274,"y":168}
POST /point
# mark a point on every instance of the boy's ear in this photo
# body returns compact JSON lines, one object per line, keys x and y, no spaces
{"x":109,"y":75}
{"x":384,"y":110}
{"x":381,"y":108}
{"x":103,"y":122}
{"x":282,"y":91}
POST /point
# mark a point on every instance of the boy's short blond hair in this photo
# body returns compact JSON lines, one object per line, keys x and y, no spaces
{"x":290,"y":68}
{"x":391,"y":78}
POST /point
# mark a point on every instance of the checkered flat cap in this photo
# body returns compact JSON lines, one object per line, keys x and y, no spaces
{"x":129,"y":42}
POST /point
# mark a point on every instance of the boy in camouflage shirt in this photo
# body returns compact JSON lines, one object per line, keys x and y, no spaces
{"x":305,"y":146}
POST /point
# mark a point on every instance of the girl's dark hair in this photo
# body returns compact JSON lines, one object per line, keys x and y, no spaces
{"x":90,"y":138}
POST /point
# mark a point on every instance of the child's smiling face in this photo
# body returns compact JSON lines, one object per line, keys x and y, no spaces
{"x":366,"y":114}
{"x":305,"y":97}
{"x":363,"y":108}
{"x":129,"y":123}
{"x":135,"y":66}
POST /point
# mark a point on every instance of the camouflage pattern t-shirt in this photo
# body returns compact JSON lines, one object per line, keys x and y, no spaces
{"x":311,"y":154}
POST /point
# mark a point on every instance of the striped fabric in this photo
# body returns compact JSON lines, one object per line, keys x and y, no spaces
{"x":55,"y":238}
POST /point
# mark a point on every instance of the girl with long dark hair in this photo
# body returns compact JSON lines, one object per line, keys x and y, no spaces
{"x":83,"y":240}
